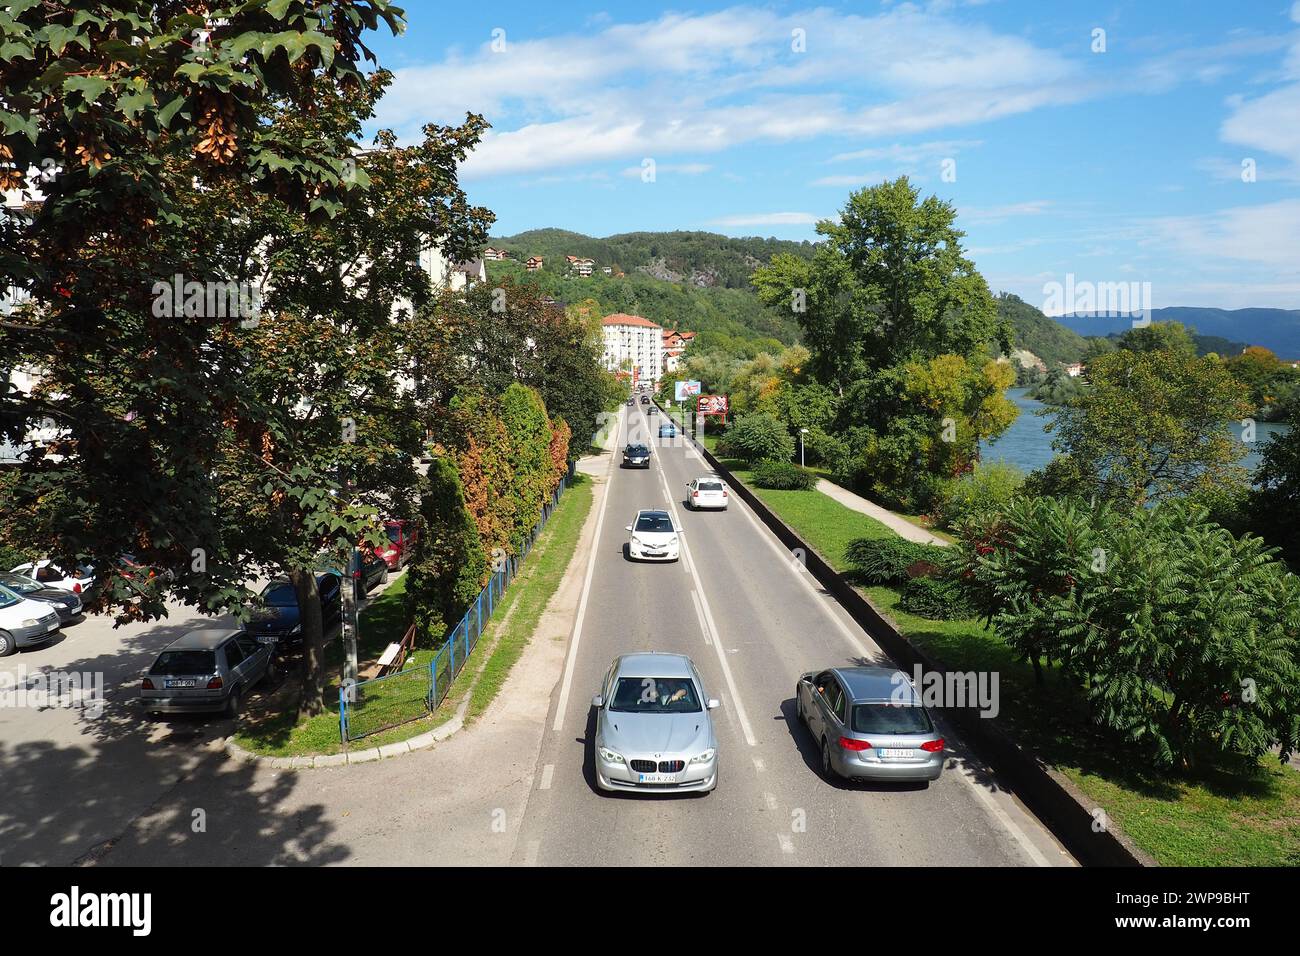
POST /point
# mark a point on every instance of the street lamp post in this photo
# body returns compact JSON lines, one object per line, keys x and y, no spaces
{"x":802,"y":432}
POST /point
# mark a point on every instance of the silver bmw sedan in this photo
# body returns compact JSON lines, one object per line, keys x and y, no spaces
{"x":654,"y":732}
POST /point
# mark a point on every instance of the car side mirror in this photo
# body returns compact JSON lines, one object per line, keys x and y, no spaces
{"x":628,"y":528}
{"x":714,"y":703}
{"x":597,"y":702}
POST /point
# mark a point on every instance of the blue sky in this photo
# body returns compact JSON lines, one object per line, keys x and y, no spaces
{"x":1122,"y":165}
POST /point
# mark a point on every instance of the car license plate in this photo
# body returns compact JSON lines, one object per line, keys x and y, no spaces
{"x":178,"y":683}
{"x":52,"y":626}
{"x":657,"y":778}
{"x":895,"y":753}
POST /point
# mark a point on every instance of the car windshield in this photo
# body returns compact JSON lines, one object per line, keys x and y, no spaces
{"x":9,"y":598}
{"x":891,"y":719}
{"x":16,"y":582}
{"x":710,"y":486}
{"x":280,"y":595}
{"x":637,"y":450}
{"x":394,"y":533}
{"x":655,"y":695}
{"x":651,"y":523}
{"x":185,"y":662}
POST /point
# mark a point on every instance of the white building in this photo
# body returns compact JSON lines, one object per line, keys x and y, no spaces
{"x":635,"y":340}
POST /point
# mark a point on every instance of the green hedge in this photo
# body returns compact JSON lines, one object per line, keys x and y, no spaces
{"x":886,"y":560}
{"x":783,"y":475}
{"x":935,"y":598}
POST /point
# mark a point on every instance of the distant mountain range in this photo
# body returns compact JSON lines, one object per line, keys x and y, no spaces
{"x":1276,"y":329}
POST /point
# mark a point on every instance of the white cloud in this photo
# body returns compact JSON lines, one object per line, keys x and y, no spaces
{"x":995,"y":214}
{"x":767,"y":219}
{"x":670,"y":169}
{"x":1266,"y":234}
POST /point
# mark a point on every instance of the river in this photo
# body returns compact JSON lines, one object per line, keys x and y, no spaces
{"x":1029,"y":448}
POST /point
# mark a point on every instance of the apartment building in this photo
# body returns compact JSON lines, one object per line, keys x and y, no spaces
{"x":635,"y":341}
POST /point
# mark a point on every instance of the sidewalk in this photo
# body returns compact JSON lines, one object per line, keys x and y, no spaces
{"x":900,"y":526}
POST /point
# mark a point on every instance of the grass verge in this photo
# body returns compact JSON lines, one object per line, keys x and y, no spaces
{"x":1209,"y":818}
{"x":281,"y":734}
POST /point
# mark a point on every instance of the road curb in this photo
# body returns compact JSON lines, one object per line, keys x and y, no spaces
{"x":1081,"y":824}
{"x":421,"y":742}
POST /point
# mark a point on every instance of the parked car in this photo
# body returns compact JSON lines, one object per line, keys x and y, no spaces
{"x":66,"y":604}
{"x":373,"y":570}
{"x":24,"y":622}
{"x":636,"y":456}
{"x":279,"y":616}
{"x":79,"y":580}
{"x":402,"y":537}
{"x":130,"y":568}
{"x":869,"y":723}
{"x":654,"y":537}
{"x":207,"y":671}
{"x":654,"y":732}
{"x":667,"y":430}
{"x":706,"y":492}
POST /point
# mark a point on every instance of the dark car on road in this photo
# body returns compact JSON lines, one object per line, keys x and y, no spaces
{"x":66,"y":603}
{"x":636,"y":456}
{"x":279,"y":616}
{"x":207,"y":671}
{"x":645,"y":399}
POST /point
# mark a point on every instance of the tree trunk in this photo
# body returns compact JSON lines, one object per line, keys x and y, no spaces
{"x":312,"y":701}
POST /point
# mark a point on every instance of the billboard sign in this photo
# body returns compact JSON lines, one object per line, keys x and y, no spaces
{"x":712,"y":405}
{"x":683,"y":390}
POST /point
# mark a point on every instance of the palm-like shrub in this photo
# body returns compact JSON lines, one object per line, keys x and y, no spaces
{"x":757,"y":437}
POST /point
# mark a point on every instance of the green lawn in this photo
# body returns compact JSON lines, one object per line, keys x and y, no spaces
{"x":384,"y":622}
{"x":1211,"y":819}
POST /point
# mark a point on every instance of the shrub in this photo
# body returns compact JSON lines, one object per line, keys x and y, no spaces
{"x":936,"y":598}
{"x":888,"y":560}
{"x":757,"y":437}
{"x":784,"y":475}
{"x":989,"y":488}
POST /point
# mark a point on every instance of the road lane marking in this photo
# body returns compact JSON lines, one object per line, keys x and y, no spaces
{"x":685,"y":551}
{"x":770,"y":800}
{"x":1004,"y":818}
{"x":699,"y":612}
{"x":547,"y":773}
{"x":530,"y":855}
{"x":567,"y":684}
{"x":759,"y":765}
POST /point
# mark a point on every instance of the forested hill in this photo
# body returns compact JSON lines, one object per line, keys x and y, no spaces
{"x":704,"y":259}
{"x":1044,"y":336}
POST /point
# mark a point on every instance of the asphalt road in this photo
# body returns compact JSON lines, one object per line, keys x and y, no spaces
{"x":742,"y":608}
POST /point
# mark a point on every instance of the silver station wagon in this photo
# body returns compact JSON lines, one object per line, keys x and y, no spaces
{"x":869,"y":724}
{"x":207,"y":671}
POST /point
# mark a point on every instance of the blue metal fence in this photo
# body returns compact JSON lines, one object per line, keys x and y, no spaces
{"x":369,"y":706}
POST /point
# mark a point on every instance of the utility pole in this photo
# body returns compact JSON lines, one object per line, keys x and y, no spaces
{"x":802,"y":432}
{"x":348,"y":587}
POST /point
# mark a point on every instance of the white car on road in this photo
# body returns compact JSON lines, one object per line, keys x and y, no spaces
{"x":706,"y":492}
{"x":654,"y":537}
{"x":77,"y":580}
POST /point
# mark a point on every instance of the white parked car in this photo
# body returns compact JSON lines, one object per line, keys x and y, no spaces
{"x":24,"y":622}
{"x":654,"y":537}
{"x":706,"y":492}
{"x":78,"y":580}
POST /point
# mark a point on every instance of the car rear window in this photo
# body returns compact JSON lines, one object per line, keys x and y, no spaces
{"x":22,"y":585}
{"x":654,"y":523}
{"x":710,"y":486}
{"x":185,"y":662}
{"x":394,"y":533}
{"x":655,"y":695}
{"x":891,"y":719}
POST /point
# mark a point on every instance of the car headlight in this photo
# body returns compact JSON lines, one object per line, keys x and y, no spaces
{"x":637,"y":541}
{"x":30,"y":622}
{"x":610,"y":756}
{"x":705,"y":757}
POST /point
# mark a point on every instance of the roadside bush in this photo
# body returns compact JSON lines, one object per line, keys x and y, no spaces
{"x":784,"y":475}
{"x":989,"y":488}
{"x":936,"y":598}
{"x":889,"y":560}
{"x":757,"y":437}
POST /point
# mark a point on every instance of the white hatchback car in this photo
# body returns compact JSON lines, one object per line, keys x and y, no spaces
{"x":706,"y":492}
{"x":77,"y":580}
{"x":654,"y":537}
{"x":24,"y":622}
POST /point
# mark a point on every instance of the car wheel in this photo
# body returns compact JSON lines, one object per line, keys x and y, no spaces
{"x":383,"y":575}
{"x":272,"y":670}
{"x":7,"y":644}
{"x":828,"y":768}
{"x":233,"y":703}
{"x":798,"y":707}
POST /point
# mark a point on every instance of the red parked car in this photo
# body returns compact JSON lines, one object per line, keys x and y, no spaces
{"x":402,"y":536}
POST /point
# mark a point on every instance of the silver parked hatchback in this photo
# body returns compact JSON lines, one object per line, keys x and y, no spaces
{"x":654,"y":733}
{"x":869,"y":723}
{"x":207,"y":671}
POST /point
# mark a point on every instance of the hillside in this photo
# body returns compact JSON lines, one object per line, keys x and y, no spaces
{"x":727,"y":319}
{"x":702,"y":259}
{"x":1276,"y":329}
{"x":1048,"y":339}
